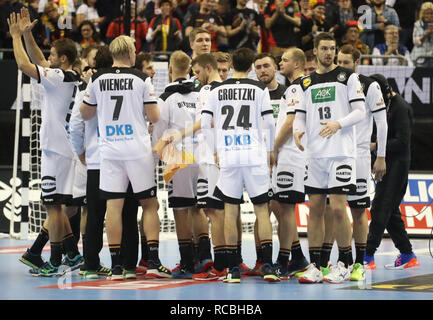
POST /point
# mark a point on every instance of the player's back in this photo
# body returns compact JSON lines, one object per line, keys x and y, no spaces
{"x":238,"y":106}
{"x":120,"y":95}
{"x":60,"y":89}
{"x":327,"y":97}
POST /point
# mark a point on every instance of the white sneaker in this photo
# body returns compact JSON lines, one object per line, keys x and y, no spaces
{"x":339,"y":273}
{"x":311,"y":275}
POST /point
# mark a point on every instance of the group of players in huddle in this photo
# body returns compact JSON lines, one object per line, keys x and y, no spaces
{"x":278,"y":143}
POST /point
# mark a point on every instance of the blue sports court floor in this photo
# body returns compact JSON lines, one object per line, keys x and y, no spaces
{"x":381,"y":284}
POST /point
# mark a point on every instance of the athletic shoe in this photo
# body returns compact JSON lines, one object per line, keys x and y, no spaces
{"x":116,"y":273}
{"x":269,"y":273}
{"x":211,"y":275}
{"x":94,"y":274}
{"x":32,"y":260}
{"x":157,"y":270}
{"x":297,"y":266}
{"x":339,"y":273}
{"x":48,"y":270}
{"x":369,"y":262}
{"x":203,"y":266}
{"x":129,"y":274}
{"x":256,"y":271}
{"x":233,"y":276}
{"x":142,"y":267}
{"x":311,"y":275}
{"x":358,"y":272}
{"x":182,"y":273}
{"x":281,"y":271}
{"x":177,"y":268}
{"x":243,"y":269}
{"x":403,"y":261}
{"x":326,"y":270}
{"x":73,"y":263}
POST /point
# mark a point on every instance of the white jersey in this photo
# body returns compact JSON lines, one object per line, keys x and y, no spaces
{"x":60,"y":88}
{"x":291,"y":100}
{"x":238,"y":107}
{"x":328,"y":97}
{"x":373,"y":103}
{"x":120,"y":95}
{"x":178,"y":104}
{"x":205,"y":152}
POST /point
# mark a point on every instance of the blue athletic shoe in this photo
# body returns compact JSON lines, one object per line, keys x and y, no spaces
{"x":203,"y":266}
{"x":297,"y":265}
{"x":404,"y":261}
{"x":47,"y":270}
{"x":369,"y":262}
{"x":182,"y":273}
{"x":73,"y":263}
{"x":281,"y":271}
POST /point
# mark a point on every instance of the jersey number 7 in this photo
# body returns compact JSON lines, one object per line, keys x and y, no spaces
{"x":117,"y":107}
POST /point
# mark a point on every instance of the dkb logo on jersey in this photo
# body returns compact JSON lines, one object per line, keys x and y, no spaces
{"x":119,"y":130}
{"x":284,"y":179}
{"x":323,"y":94}
{"x":344,"y":172}
{"x":237,"y":140}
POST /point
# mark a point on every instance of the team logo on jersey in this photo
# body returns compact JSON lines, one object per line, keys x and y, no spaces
{"x":276,"y":109}
{"x":306,"y":82}
{"x":342,"y":77}
{"x":323,"y":94}
{"x":284,"y":179}
{"x":361,"y":187}
{"x":119,"y":130}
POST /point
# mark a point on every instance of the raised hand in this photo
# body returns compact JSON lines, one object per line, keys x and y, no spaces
{"x":14,"y":28}
{"x":25,"y":24}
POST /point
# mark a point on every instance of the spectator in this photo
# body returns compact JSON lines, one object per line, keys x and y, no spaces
{"x":224,"y":62}
{"x":207,"y":19}
{"x":64,"y":10}
{"x":391,"y":46}
{"x":313,"y":25}
{"x":222,"y":8}
{"x":380,"y":17}
{"x":242,"y":26}
{"x":87,"y":11}
{"x":407,"y":11}
{"x":423,"y":35}
{"x":280,"y":19}
{"x":50,"y":20}
{"x":138,"y":29}
{"x":110,"y":9}
{"x":165,"y":32}
{"x":352,"y":37}
{"x":339,"y":17}
{"x":87,"y":35}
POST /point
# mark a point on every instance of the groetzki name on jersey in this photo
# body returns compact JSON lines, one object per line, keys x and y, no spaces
{"x":116,"y":84}
{"x":225,"y":94}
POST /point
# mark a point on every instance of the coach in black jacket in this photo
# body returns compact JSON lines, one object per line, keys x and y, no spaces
{"x":385,"y":210}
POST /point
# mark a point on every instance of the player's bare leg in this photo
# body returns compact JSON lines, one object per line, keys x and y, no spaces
{"x":200,"y":227}
{"x":184,"y":233}
{"x":344,"y":234}
{"x":316,"y":227}
{"x":284,"y":213}
{"x":113,"y":225}
{"x":360,"y":232}
{"x":216,"y":218}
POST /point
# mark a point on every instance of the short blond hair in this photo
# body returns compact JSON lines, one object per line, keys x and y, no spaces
{"x":425,"y":6}
{"x":298,"y":56}
{"x":180,"y":61}
{"x":222,"y":56}
{"x":121,"y":46}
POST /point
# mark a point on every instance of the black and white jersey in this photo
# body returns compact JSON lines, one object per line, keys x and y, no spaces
{"x":178,"y":104}
{"x":276,"y":96}
{"x":238,"y":108}
{"x":120,"y":95}
{"x":60,"y":88}
{"x":328,"y":97}
{"x":373,"y":103}
{"x":292,"y":99}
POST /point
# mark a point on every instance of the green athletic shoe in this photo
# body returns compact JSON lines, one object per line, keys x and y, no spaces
{"x":48,"y":270}
{"x":358,"y":272}
{"x":325,"y":271}
{"x":129,"y":274}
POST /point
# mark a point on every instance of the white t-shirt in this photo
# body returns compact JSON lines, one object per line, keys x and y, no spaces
{"x":237,"y":107}
{"x":205,"y":152}
{"x":328,"y":97}
{"x":89,"y":12}
{"x":119,"y":95}
{"x":60,"y":88}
